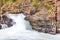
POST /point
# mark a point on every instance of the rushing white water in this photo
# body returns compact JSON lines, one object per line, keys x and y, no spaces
{"x":4,"y":26}
{"x":21,"y":30}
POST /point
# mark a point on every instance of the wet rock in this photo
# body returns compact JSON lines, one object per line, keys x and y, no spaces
{"x":10,"y":23}
{"x":4,"y":26}
{"x":41,"y":23}
{"x":0,"y":26}
{"x":5,"y":22}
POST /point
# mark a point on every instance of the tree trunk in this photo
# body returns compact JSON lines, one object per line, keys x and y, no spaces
{"x":55,"y":16}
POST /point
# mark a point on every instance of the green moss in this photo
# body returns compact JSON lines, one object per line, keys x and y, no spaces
{"x":11,"y":0}
{"x":34,"y":3}
{"x":1,"y":1}
{"x":58,"y":12}
{"x":48,"y":5}
{"x":20,"y":0}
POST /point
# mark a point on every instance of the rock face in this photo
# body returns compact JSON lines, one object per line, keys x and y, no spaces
{"x":45,"y":18}
{"x":41,"y":22}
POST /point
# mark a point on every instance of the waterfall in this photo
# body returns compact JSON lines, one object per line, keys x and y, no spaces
{"x":4,"y":26}
{"x":19,"y":19}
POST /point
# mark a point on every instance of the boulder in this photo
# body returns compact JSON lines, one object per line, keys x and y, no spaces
{"x":5,"y":21}
{"x":41,"y":23}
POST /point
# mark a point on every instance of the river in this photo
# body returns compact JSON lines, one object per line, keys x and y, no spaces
{"x":22,"y":30}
